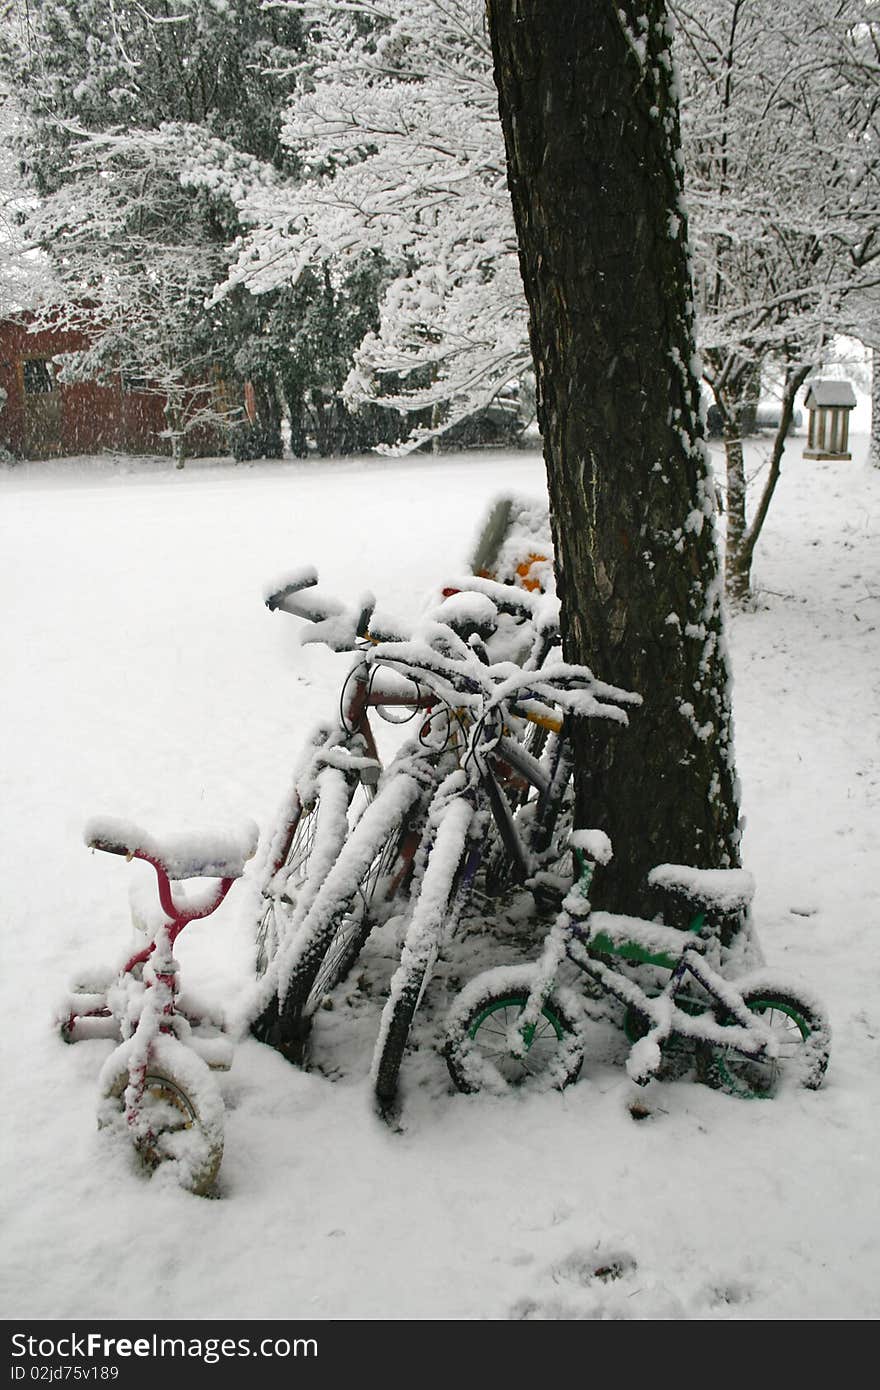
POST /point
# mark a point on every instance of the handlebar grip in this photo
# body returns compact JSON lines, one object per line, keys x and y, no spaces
{"x":109,"y":846}
{"x":362,"y":625}
{"x":305,"y":578}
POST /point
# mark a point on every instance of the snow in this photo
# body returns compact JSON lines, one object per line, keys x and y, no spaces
{"x":145,"y":679}
{"x":725,"y":889}
{"x":594,"y":843}
{"x":212,"y":854}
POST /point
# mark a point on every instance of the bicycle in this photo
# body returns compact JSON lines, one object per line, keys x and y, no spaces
{"x":517,"y":1026}
{"x":157,"y":1085}
{"x":341,"y":758}
{"x":473,"y":798}
{"x":345,"y":885}
{"x":299,"y":967}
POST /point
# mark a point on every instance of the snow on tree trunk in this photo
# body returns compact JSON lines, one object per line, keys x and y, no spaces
{"x":736,"y":573}
{"x":742,"y":535}
{"x":875,"y":407}
{"x":589,"y":110}
{"x":173,"y":413}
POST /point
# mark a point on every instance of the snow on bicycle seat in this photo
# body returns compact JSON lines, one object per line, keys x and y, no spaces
{"x":725,"y":890}
{"x":635,"y":939}
{"x":212,"y":854}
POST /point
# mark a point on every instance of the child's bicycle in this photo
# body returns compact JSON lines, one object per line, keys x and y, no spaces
{"x":516,"y":1026}
{"x":157,"y":1085}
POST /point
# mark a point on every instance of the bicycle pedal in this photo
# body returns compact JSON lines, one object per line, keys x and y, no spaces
{"x":83,"y":1027}
{"x":93,"y":979}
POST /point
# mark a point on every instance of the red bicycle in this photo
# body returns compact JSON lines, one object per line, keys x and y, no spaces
{"x":157,"y":1086}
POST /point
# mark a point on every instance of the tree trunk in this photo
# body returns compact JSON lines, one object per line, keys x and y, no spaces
{"x":174,"y":417}
{"x":736,"y":574}
{"x":268,"y":420}
{"x":875,"y":407}
{"x":323,"y":432}
{"x":736,"y":395}
{"x":296,"y":411}
{"x":590,"y":119}
{"x":742,"y":537}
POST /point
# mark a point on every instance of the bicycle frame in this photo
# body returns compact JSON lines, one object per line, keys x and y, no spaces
{"x":157,"y":1083}
{"x":506,"y":765}
{"x":350,"y":745}
{"x":160,"y":948}
{"x":591,"y":940}
{"x":453,"y":855}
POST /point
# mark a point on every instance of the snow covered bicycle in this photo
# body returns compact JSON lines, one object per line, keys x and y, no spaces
{"x":333,"y":788}
{"x":332,"y":875}
{"x":157,"y":1085}
{"x":517,"y":1026}
{"x":472,"y":801}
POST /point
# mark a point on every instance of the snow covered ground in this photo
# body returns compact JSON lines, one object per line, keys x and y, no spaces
{"x":144,"y":678}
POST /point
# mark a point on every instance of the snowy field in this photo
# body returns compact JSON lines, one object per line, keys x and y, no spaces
{"x":144,"y":678}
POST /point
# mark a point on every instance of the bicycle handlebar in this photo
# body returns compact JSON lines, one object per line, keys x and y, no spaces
{"x":469,"y":682}
{"x":448,"y":651}
{"x":180,"y":856}
{"x":342,"y":628}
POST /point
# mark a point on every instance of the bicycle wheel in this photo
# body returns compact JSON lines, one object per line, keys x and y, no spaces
{"x":177,"y":1121}
{"x":306,"y":848}
{"x":477,"y":1049}
{"x":442,"y":890}
{"x":372,"y":866}
{"x":383,"y":880}
{"x":801,"y":1031}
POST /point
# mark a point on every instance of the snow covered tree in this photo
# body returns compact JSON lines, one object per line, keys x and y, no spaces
{"x":24,"y":275}
{"x":783,"y":161}
{"x":589,"y":111}
{"x":122,"y":103}
{"x":395,"y":123}
{"x":195,"y":92}
{"x":135,"y":257}
{"x":777,"y":138}
{"x":875,"y":403}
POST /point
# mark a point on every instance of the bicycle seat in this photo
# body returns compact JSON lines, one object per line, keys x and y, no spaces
{"x":719,"y":890}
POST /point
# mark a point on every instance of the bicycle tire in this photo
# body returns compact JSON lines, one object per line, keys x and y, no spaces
{"x":344,"y":909}
{"x":310,"y":843}
{"x":476,"y":1051}
{"x":441,"y":894}
{"x":392,"y":862}
{"x":804,"y":1037}
{"x":180,"y":1116}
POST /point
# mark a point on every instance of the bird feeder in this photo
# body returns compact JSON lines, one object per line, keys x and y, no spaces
{"x":829,"y":404}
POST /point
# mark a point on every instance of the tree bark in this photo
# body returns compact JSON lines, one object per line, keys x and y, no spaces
{"x":590,"y":120}
{"x":736,"y":575}
{"x":174,"y":418}
{"x":875,"y":407}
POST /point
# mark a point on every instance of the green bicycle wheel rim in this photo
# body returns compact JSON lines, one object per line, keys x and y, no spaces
{"x":736,"y":1080}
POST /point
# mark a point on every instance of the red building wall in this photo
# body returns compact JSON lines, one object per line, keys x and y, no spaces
{"x":76,"y":418}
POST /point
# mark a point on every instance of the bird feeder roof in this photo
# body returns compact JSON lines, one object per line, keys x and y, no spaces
{"x":830,"y":393}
